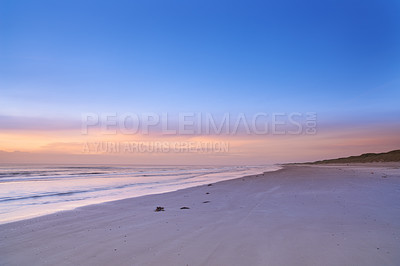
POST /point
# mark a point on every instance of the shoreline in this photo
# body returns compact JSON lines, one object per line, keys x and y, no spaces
{"x":123,"y":187}
{"x":302,"y":214}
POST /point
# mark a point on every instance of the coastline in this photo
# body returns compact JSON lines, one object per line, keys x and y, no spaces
{"x":95,"y":185}
{"x":300,"y":214}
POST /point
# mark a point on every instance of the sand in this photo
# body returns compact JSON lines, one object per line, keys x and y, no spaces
{"x":300,"y":215}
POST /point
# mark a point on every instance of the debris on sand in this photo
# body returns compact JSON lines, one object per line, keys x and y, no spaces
{"x":185,"y":208}
{"x":207,"y":201}
{"x":209,"y":185}
{"x":159,"y":209}
{"x":208,"y":193}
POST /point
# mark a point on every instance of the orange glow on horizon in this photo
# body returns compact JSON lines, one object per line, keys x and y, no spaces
{"x":242,"y":148}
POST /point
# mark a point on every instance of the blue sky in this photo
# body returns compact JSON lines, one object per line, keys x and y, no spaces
{"x":338,"y":58}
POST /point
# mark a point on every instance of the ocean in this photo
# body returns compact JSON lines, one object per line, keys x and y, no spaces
{"x":28,"y":191}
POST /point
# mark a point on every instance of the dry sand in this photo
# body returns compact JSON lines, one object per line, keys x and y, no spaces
{"x":300,"y":215}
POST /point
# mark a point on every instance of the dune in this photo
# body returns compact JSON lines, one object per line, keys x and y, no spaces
{"x":392,"y":156}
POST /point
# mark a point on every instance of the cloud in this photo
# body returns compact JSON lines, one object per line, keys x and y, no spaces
{"x":37,"y":123}
{"x":45,"y":140}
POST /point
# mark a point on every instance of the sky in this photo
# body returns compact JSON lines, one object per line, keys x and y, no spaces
{"x":60,"y":60}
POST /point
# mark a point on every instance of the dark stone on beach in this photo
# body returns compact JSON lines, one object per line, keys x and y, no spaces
{"x":159,"y":209}
{"x":209,"y":185}
{"x":185,"y":208}
{"x":208,"y":193}
{"x":207,"y":201}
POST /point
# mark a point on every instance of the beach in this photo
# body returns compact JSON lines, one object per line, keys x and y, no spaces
{"x":31,"y":190}
{"x":299,"y":215}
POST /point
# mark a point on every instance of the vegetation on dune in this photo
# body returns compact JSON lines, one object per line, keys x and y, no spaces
{"x":392,"y":156}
